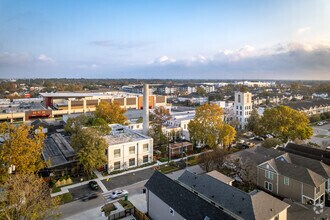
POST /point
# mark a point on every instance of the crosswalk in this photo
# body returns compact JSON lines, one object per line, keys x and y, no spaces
{"x":107,"y":196}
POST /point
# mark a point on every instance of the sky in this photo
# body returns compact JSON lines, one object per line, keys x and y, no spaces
{"x":182,"y":39}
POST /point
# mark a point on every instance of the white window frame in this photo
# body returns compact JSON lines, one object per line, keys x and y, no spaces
{"x":129,"y":150}
{"x":267,"y":186}
{"x":116,"y":155}
{"x":144,"y":148}
{"x":269,"y":175}
{"x":286,"y":181}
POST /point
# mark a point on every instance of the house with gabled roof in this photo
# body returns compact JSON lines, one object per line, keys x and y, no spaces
{"x":287,"y":175}
{"x":256,"y":205}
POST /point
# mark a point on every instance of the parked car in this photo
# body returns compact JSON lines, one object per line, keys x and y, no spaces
{"x":257,"y":138}
{"x":118,"y":194}
{"x":93,"y":185}
{"x":89,"y":196}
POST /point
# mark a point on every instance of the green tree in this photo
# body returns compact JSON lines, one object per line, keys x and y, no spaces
{"x":200,"y":91}
{"x":271,"y":142}
{"x":112,"y":113}
{"x":207,"y":127}
{"x":90,"y":148}
{"x":254,"y":122}
{"x":20,"y":148}
{"x":75,"y":124}
{"x":27,"y":196}
{"x":286,"y":123}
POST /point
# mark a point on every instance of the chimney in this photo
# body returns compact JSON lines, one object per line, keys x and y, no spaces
{"x":145,"y":109}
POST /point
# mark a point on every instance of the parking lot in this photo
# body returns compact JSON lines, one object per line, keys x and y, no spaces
{"x":321,"y":135}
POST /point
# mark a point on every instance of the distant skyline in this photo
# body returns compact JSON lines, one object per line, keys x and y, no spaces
{"x":182,"y":39}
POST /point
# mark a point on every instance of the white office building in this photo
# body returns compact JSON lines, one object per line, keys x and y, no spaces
{"x":127,"y":148}
{"x":243,"y":107}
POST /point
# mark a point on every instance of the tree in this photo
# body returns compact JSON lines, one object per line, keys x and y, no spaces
{"x":207,"y":127}
{"x":212,"y":160}
{"x":254,"y":122}
{"x":27,"y":196}
{"x":286,"y":124}
{"x":21,"y":149}
{"x":90,"y":148}
{"x":112,"y":113}
{"x":271,"y":142}
{"x":200,"y":91}
{"x":75,"y":124}
{"x":159,"y":118}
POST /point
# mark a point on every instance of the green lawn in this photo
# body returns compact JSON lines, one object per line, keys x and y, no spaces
{"x":66,"y":198}
{"x":168,"y":168}
{"x":322,"y":136}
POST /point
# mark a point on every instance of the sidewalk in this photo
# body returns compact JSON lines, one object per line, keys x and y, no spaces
{"x":65,"y":189}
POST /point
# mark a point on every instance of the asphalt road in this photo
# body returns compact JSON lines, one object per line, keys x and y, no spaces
{"x":80,"y":191}
{"x":128,"y":179}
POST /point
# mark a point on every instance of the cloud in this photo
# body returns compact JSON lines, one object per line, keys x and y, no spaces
{"x":282,"y":61}
{"x":164,"y":60}
{"x":118,"y":45}
{"x":303,"y":30}
{"x":44,"y":58}
{"x":87,"y":66}
{"x":234,"y":55}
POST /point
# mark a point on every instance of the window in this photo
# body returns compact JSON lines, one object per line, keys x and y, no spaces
{"x":286,"y":180}
{"x":240,"y":107}
{"x":268,"y":175}
{"x":137,"y":126}
{"x":132,"y":150}
{"x":317,"y":189}
{"x":116,"y":153}
{"x":239,"y":98}
{"x":145,"y":159}
{"x":268,"y":186}
{"x":236,"y":107}
{"x":240,"y":112}
{"x":171,"y":211}
{"x":116,"y":165}
{"x":145,"y":147}
{"x":132,"y":162}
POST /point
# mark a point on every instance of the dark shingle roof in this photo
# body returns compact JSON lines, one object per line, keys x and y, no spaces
{"x":309,"y":104}
{"x":298,"y":173}
{"x":182,"y":200}
{"x":310,"y":152}
{"x":258,"y":205}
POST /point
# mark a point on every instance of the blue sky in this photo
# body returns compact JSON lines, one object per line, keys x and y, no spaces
{"x":267,"y":39}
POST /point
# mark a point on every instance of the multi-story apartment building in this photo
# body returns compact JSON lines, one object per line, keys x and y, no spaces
{"x":127,"y":148}
{"x":243,"y":107}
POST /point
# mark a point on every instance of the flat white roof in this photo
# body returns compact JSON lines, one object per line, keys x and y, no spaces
{"x":82,"y":95}
{"x":121,"y":134}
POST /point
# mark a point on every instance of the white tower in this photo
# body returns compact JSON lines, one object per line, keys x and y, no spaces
{"x":145,"y":109}
{"x":243,"y":107}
